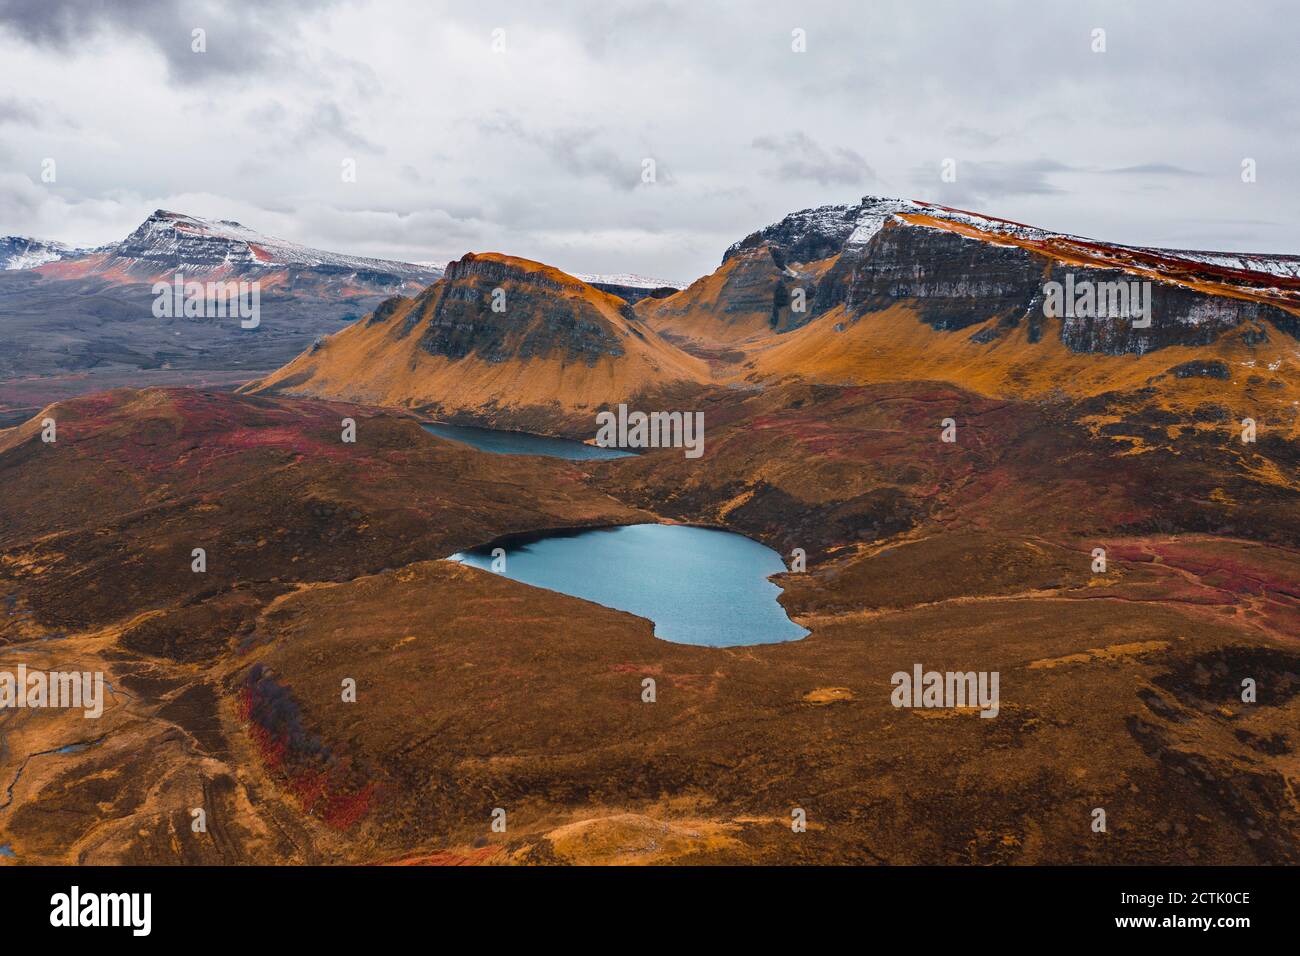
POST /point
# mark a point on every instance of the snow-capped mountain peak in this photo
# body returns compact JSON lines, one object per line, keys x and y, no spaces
{"x":23,"y":252}
{"x":179,"y":240}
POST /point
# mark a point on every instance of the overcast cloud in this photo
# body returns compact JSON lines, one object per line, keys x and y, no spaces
{"x":538,"y":150}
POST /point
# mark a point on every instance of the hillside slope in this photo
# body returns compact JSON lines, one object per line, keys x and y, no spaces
{"x":552,"y":351}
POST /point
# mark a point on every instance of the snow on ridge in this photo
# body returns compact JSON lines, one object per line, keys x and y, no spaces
{"x":873,"y":213}
{"x":854,"y":226}
{"x":1284,"y":266}
{"x":628,"y":279}
{"x":168,"y":234}
{"x":23,"y":252}
{"x":1281,"y":266}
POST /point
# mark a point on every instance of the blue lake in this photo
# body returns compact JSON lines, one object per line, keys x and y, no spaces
{"x":522,"y":443}
{"x":698,"y":585}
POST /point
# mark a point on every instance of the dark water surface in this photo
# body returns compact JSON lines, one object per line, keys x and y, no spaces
{"x":522,"y":443}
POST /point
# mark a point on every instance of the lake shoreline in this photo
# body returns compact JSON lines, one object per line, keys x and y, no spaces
{"x":520,"y":538}
{"x":696,"y":584}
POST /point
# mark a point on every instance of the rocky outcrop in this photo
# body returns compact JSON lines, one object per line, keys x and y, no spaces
{"x":499,"y":311}
{"x":1201,"y":368}
{"x":805,"y":236}
{"x":953,"y":281}
{"x":386,"y":309}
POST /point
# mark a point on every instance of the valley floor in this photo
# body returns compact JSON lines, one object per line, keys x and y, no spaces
{"x":1121,"y":690}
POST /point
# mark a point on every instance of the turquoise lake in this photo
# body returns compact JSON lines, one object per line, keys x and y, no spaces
{"x":698,"y":585}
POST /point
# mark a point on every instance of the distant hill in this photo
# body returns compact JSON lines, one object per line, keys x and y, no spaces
{"x":23,"y":252}
{"x":78,"y":320}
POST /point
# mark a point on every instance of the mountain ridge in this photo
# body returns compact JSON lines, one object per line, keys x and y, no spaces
{"x":168,"y":241}
{"x":892,"y":290}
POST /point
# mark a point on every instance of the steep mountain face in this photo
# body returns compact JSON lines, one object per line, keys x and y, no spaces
{"x":897,"y":290}
{"x":457,"y":325}
{"x":807,"y":235}
{"x":499,"y":338}
{"x":23,"y":252}
{"x":959,"y":270}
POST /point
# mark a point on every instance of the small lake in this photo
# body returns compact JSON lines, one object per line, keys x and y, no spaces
{"x":500,"y":442}
{"x":698,"y":585}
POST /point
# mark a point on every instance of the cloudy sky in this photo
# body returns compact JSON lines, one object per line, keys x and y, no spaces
{"x":532,"y":140}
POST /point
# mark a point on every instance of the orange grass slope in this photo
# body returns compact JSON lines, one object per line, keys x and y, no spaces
{"x":895,"y":345}
{"x":552,"y":345}
{"x":748,"y":297}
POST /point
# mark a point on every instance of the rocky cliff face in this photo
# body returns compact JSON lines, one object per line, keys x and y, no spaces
{"x":498,"y":311}
{"x":954,"y":281}
{"x":805,"y":236}
{"x":958,"y":270}
{"x":751,"y":295}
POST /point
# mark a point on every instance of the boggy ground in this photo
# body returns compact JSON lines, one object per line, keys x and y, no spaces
{"x":1120,"y":690}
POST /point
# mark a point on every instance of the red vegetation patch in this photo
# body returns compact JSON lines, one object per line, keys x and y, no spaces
{"x":475,"y":857}
{"x":1230,"y":571}
{"x":325,"y":785}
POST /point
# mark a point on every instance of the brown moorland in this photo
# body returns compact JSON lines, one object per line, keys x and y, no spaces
{"x":1120,"y":690}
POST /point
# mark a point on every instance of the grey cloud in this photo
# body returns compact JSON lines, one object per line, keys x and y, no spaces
{"x":241,"y":39}
{"x":327,"y":121}
{"x":990,"y":181}
{"x":969,"y":136}
{"x":324,"y":121}
{"x":13,"y":110}
{"x":1152,"y":169}
{"x":36,"y":113}
{"x":578,"y":152}
{"x":538,"y":151}
{"x":798,"y":156}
